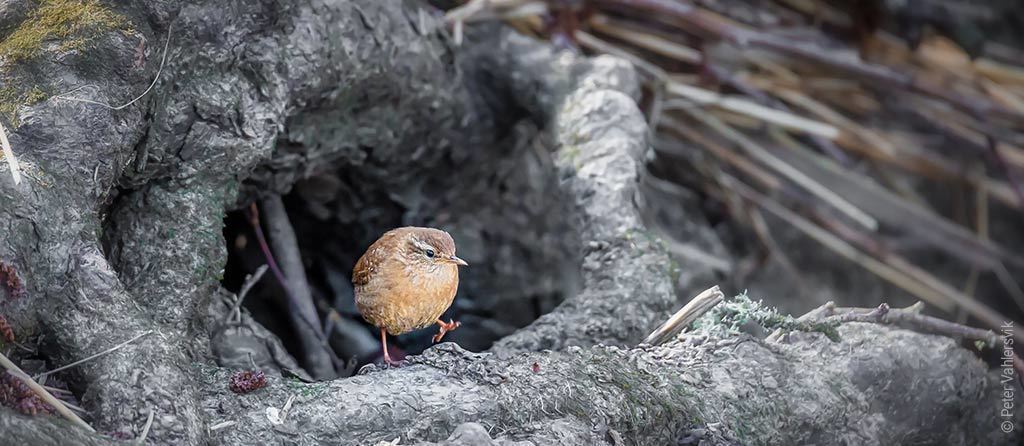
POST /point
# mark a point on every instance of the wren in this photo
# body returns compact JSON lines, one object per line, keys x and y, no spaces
{"x":406,"y":280}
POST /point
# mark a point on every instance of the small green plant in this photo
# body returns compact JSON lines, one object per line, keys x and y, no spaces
{"x":727,"y":318}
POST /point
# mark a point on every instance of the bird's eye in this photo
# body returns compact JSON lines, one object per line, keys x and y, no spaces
{"x":429,"y":253}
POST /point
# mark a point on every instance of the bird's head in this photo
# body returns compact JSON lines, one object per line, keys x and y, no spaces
{"x":431,"y":248}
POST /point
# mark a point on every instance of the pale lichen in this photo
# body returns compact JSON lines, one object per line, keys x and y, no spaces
{"x":728,"y":317}
{"x":69,"y":23}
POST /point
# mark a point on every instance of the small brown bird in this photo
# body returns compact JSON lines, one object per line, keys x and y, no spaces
{"x":406,"y":280}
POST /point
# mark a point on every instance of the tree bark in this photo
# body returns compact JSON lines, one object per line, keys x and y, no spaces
{"x":117,"y":229}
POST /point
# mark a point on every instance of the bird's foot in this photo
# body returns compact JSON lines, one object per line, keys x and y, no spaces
{"x":391,"y":363}
{"x":445,"y":328}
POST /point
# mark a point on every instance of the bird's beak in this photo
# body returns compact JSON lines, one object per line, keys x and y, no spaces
{"x":457,"y":261}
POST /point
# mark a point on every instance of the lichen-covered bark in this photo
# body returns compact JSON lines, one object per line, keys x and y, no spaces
{"x":117,"y":229}
{"x":868,"y":389}
{"x":626,"y":283}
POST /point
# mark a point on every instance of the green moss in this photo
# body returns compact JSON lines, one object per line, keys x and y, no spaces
{"x":647,"y":399}
{"x":34,"y":96}
{"x":11,"y":99}
{"x":307,"y":390}
{"x":674,"y":270}
{"x":71,"y":22}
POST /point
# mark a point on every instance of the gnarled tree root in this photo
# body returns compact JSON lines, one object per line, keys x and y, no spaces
{"x":246,"y":98}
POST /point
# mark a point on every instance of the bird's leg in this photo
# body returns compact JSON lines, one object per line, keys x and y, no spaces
{"x":445,"y":328}
{"x":384,"y":345}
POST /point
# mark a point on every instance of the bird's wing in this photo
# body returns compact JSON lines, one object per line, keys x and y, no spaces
{"x":365,"y":267}
{"x":374,"y":257}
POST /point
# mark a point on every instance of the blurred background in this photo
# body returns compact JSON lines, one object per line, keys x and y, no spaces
{"x":804,"y":150}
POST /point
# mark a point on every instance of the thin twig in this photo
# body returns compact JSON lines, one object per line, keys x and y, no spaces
{"x":764,"y":234}
{"x":651,"y":42}
{"x":254,"y":221}
{"x":981,"y":221}
{"x":12,"y":162}
{"x":160,"y":70}
{"x":1011,"y":175}
{"x":250,"y":281}
{"x":303,"y":311}
{"x":222,"y":425}
{"x":917,"y":322}
{"x":698,"y":21}
{"x":743,"y":164}
{"x":71,"y":406}
{"x":56,"y":390}
{"x":522,"y":9}
{"x":797,"y":176}
{"x":748,"y":108}
{"x":871,"y":144}
{"x":146,"y":427}
{"x":261,"y":238}
{"x":57,"y":404}
{"x":694,"y":309}
{"x":590,"y":41}
{"x":891,"y":268}
{"x":472,"y":8}
{"x":1009,"y":283}
{"x":818,"y":314}
{"x":90,"y":358}
{"x":898,"y":212}
{"x":287,"y":408}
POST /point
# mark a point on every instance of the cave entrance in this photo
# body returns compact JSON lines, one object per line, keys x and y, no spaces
{"x":505,"y":211}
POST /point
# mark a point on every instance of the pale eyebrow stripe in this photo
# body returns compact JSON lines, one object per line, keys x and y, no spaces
{"x":421,"y":244}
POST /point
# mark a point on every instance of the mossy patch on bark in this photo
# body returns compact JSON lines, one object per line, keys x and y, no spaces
{"x":69,"y":23}
{"x":12,"y":98}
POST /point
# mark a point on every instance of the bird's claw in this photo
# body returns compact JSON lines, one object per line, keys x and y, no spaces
{"x":445,"y":328}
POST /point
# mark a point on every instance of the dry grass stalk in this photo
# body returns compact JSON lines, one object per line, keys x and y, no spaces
{"x":869,"y":143}
{"x":742,"y":164}
{"x":97,"y":355}
{"x":651,"y":42}
{"x":742,"y":106}
{"x":12,"y":162}
{"x":891,"y":267}
{"x":57,"y":404}
{"x":814,"y":187}
{"x":694,"y":309}
{"x":163,"y":61}
{"x":999,"y":72}
{"x":844,"y":249}
{"x":852,"y":110}
{"x":592,"y":42}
